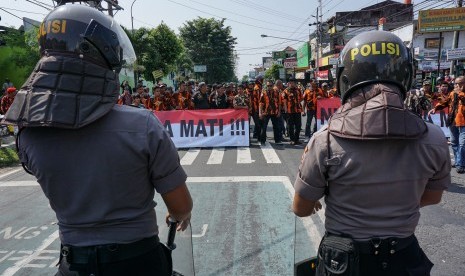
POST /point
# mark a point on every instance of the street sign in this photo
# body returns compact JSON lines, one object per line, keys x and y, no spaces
{"x":458,"y":53}
{"x":332,"y":61}
{"x":441,"y":20}
{"x":290,"y":63}
{"x":200,"y":68}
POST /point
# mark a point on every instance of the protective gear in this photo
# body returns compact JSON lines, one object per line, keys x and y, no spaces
{"x":76,"y":80}
{"x":374,"y":57}
{"x":81,"y":30}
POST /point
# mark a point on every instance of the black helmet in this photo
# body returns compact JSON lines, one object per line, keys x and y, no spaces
{"x":82,"y":30}
{"x":372,"y":57}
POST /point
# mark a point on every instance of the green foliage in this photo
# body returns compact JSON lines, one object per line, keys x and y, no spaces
{"x":210,"y":43}
{"x":8,"y":157}
{"x":273,"y":72}
{"x":20,"y":55}
{"x":156,"y":49}
{"x":245,"y":78}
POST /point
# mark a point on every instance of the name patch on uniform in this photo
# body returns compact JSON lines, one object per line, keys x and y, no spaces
{"x":52,"y":26}
{"x":375,"y":48}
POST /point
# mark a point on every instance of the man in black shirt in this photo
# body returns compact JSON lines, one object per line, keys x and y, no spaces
{"x":201,"y":98}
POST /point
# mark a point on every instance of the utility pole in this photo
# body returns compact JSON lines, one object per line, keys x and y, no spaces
{"x":455,"y":44}
{"x":319,"y":10}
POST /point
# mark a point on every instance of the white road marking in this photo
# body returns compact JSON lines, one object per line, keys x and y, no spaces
{"x":23,"y":263}
{"x":270,"y":154}
{"x":204,"y":231}
{"x":243,"y":155}
{"x":18,"y":183}
{"x":10,"y":172}
{"x":216,"y":157}
{"x":190,"y":156}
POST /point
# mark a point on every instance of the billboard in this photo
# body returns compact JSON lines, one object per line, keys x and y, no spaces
{"x":303,"y":55}
{"x":441,"y":20}
{"x":290,"y":63}
{"x":200,"y":68}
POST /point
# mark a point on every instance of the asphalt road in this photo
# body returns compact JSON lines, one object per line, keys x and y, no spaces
{"x":242,"y":222}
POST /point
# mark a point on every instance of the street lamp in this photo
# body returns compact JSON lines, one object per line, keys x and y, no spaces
{"x":264,"y":35}
{"x":132,"y":18}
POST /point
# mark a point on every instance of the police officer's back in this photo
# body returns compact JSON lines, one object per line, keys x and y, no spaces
{"x":98,"y":164}
{"x":362,"y":165}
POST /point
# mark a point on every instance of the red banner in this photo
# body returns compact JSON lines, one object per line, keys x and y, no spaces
{"x":206,"y":128}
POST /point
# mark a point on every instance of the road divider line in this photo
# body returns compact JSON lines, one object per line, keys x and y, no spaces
{"x":216,"y":157}
{"x":244,"y":156}
{"x":270,"y":154}
{"x":18,"y":265}
{"x":10,"y":173}
{"x":190,"y":156}
{"x":18,"y":183}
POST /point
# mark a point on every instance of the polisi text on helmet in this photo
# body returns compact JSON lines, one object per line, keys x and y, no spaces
{"x":375,"y":48}
{"x":52,"y":26}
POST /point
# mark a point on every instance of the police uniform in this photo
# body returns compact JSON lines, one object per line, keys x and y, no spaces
{"x":107,"y":161}
{"x":374,"y":204}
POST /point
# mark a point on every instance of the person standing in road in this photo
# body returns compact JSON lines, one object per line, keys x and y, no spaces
{"x":283,"y":125}
{"x":7,"y":84}
{"x":373,"y":205}
{"x":200,"y":99}
{"x":241,"y":100}
{"x":105,"y":208}
{"x":270,"y":102}
{"x":456,"y":122}
{"x":311,"y":95}
{"x":254,"y":96}
{"x":293,"y":102}
{"x":8,"y":99}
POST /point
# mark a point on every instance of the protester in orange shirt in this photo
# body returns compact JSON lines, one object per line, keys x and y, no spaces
{"x":158,"y":101}
{"x":254,"y":101}
{"x":293,"y":99}
{"x":310,"y":107}
{"x":182,"y":100}
{"x":270,"y":108}
{"x":8,"y":99}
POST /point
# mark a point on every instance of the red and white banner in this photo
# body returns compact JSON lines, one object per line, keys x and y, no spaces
{"x":206,"y":128}
{"x":327,"y":107}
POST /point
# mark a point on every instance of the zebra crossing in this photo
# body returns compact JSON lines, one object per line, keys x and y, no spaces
{"x":244,"y":155}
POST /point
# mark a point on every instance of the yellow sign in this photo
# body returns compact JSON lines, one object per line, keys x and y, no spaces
{"x":441,"y":20}
{"x":52,"y":26}
{"x":376,"y":48}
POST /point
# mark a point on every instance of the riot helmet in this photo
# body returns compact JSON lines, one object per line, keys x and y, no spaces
{"x":81,"y":30}
{"x":374,"y":57}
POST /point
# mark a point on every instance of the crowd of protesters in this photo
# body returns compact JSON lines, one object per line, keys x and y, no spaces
{"x":265,"y":101}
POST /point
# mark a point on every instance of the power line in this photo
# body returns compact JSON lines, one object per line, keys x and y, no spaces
{"x":231,"y":12}
{"x":214,"y":15}
{"x":21,"y":18}
{"x":264,"y":47}
{"x":40,"y":5}
{"x":11,"y":9}
{"x":268,"y":10}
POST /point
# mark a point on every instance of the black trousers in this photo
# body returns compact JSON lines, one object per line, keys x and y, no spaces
{"x":276,"y":128}
{"x":295,"y":125}
{"x":256,"y":128}
{"x":410,"y":261}
{"x":153,"y":262}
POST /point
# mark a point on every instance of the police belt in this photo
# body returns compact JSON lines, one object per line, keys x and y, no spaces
{"x":108,"y":252}
{"x":387,"y":245}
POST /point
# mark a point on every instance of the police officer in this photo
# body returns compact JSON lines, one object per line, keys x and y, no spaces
{"x":372,"y":206}
{"x":104,"y":207}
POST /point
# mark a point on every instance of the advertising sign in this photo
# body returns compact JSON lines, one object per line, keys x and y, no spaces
{"x":206,"y":128}
{"x":290,"y":63}
{"x":322,"y":75}
{"x":200,"y":68}
{"x":303,"y":55}
{"x":458,"y":53}
{"x":441,"y":20}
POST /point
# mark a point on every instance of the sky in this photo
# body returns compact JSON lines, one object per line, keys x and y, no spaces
{"x":249,"y":19}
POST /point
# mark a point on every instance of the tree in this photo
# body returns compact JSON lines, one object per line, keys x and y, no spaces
{"x":19,"y":55}
{"x":245,"y":78}
{"x":210,"y":43}
{"x":156,"y":49}
{"x":273,"y":72}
